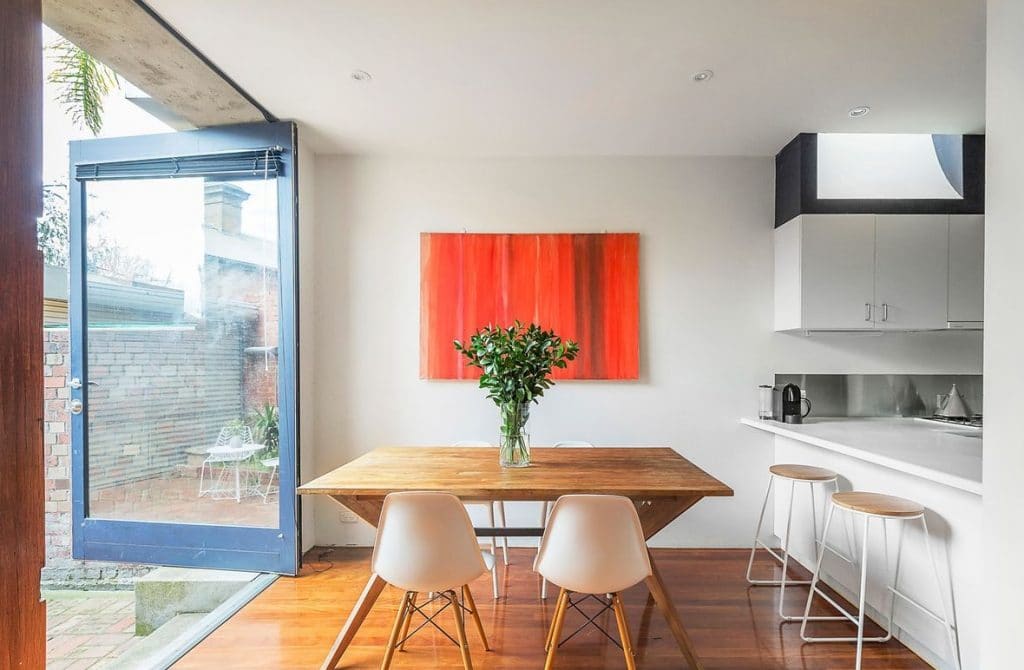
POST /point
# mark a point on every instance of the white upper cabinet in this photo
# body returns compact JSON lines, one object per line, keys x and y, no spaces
{"x":878,"y":272}
{"x":830,"y":260}
{"x":911,"y":271}
{"x":966,"y":270}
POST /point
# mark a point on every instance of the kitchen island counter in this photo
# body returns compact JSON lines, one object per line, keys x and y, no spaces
{"x":936,"y":465}
{"x":945,"y":454}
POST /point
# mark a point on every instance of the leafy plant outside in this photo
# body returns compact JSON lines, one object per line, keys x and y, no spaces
{"x":83,"y":82}
{"x":264,"y":424}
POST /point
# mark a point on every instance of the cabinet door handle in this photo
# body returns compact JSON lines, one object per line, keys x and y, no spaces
{"x":867,"y":311}
{"x":885,"y":311}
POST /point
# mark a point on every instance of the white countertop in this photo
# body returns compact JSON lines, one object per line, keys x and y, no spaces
{"x":944,"y":454}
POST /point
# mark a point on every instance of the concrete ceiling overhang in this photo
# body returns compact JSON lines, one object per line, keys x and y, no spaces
{"x":132,"y":40}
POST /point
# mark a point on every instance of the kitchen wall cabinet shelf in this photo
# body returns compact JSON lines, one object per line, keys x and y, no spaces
{"x":879,"y":272}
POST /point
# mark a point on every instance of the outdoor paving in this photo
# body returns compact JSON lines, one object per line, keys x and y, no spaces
{"x":87,"y":629}
{"x":177,"y":499}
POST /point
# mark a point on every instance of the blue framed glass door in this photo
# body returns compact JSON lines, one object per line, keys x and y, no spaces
{"x":183,"y":348}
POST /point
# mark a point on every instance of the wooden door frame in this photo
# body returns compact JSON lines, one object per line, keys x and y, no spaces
{"x":22,"y":613}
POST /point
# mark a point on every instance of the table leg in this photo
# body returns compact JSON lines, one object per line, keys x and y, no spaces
{"x":369,"y":596}
{"x":238,"y":483}
{"x":668,"y":610}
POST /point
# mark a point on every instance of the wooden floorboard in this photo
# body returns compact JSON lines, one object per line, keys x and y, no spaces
{"x":733,"y":626}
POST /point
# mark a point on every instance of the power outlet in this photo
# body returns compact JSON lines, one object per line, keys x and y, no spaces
{"x":347,"y":517}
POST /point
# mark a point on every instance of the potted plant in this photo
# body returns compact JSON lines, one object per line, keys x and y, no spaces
{"x":265,"y":428}
{"x":515,"y":369}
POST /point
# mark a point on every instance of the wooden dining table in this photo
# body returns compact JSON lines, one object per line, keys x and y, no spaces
{"x":661,"y":483}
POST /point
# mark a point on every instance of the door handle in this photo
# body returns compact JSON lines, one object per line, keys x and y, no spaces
{"x":75,"y":406}
{"x":867,"y":311}
{"x":885,"y":311}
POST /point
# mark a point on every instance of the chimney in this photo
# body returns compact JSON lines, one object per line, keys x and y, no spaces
{"x":223,"y":207}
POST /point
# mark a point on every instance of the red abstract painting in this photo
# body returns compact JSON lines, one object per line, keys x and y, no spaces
{"x":583,"y":286}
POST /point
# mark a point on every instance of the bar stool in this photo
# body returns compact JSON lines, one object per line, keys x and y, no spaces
{"x":885,"y":508}
{"x":794,"y":474}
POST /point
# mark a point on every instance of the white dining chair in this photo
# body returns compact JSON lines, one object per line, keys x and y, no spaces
{"x":490,"y":506}
{"x":593,"y":544}
{"x":425,"y":544}
{"x":545,"y":508}
{"x":234,"y":446}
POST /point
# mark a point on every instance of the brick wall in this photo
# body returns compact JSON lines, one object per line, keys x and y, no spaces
{"x":157,"y":392}
{"x":62,"y":571}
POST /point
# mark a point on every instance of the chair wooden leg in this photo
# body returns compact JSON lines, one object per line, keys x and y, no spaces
{"x":556,"y":629}
{"x":668,"y":610}
{"x":389,"y":652}
{"x":460,"y":628}
{"x":355,"y":619}
{"x":408,"y":620}
{"x":554,"y":618}
{"x":624,"y":635}
{"x":468,"y":597}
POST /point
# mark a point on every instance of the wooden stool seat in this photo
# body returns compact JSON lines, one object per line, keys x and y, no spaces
{"x":803,"y":473}
{"x":877,"y":504}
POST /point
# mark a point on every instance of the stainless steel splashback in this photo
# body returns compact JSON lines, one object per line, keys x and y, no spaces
{"x":881,"y":395}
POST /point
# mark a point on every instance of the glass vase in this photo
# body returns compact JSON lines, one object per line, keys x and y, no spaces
{"x":514,"y":446}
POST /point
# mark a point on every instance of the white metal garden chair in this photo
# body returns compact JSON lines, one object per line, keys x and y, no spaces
{"x":234,"y":447}
{"x":272,"y":463}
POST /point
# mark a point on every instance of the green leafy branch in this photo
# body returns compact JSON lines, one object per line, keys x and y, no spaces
{"x":516,"y":362}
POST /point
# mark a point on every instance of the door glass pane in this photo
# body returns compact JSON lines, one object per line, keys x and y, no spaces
{"x":182,"y":333}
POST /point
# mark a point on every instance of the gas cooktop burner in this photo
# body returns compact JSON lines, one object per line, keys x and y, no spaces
{"x":972,"y":421}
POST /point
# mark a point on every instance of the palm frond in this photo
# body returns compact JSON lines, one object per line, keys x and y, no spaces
{"x":83,"y":81}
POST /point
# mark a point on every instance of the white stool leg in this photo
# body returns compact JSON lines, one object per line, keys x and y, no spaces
{"x":896,"y":579}
{"x":757,"y":533}
{"x":785,"y":553}
{"x":863,"y":592}
{"x":814,"y":520}
{"x":954,"y":647}
{"x":817,"y":572}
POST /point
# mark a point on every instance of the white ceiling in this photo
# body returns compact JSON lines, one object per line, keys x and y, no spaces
{"x":592,"y":77}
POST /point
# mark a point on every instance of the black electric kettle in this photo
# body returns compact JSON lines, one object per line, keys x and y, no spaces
{"x":792,"y":401}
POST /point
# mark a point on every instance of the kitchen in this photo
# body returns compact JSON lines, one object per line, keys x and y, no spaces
{"x":882,"y":253}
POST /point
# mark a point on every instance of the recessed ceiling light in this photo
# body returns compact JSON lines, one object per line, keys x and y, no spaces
{"x":361,"y":75}
{"x":703,"y":75}
{"x":858,"y":112}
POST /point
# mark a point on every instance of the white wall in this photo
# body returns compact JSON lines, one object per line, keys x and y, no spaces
{"x":1004,"y":321}
{"x":706,"y":315}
